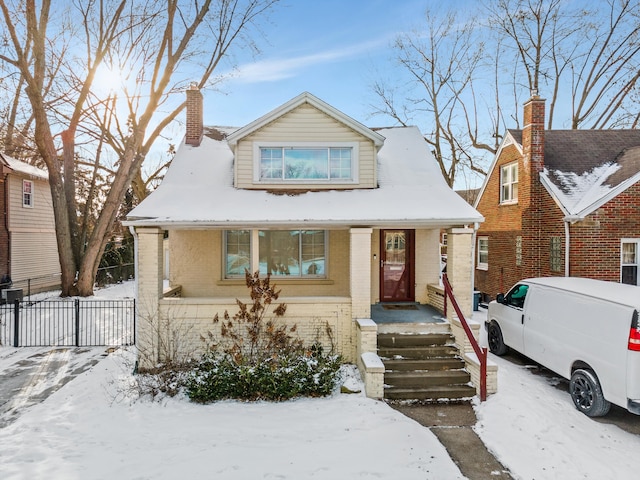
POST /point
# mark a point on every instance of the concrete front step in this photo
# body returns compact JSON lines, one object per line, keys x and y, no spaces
{"x":435,"y":393}
{"x":413,"y":340}
{"x":403,"y":365}
{"x":417,"y":353}
{"x":423,"y":379}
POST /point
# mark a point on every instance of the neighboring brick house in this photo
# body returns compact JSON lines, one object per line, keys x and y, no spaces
{"x":342,"y":216}
{"x":28,"y":247}
{"x":559,"y":203}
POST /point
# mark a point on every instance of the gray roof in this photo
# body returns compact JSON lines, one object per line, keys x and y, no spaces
{"x":585,"y":168}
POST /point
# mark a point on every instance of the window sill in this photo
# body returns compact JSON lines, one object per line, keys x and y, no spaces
{"x":509,"y":202}
{"x":279,"y":281}
{"x":482,"y":267}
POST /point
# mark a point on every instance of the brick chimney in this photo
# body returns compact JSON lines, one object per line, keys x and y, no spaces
{"x":193,"y":135}
{"x":533,"y":132}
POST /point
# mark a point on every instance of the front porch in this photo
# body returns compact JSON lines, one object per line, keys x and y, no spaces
{"x":406,"y":313}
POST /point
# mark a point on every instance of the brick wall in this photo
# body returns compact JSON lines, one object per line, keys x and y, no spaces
{"x":193,"y":135}
{"x":503,"y":223}
{"x":595,"y":242}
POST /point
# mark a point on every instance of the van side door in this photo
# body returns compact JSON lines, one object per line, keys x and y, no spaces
{"x":512,"y":316}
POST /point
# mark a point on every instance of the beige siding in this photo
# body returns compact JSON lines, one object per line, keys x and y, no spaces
{"x":305,"y":124}
{"x":40,"y":217}
{"x":33,"y":247}
{"x":34,"y":255}
{"x":195,"y":257}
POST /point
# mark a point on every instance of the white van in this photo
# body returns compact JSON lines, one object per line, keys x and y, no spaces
{"x":584,"y":330}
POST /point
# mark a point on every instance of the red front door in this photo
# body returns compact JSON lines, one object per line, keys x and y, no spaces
{"x":396,"y":266}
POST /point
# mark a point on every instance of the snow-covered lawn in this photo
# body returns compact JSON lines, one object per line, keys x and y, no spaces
{"x":93,"y":429}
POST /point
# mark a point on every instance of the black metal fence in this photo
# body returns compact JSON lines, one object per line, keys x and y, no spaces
{"x":73,"y":322}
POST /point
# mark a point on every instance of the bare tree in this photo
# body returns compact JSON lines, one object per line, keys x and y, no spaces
{"x":156,"y":42}
{"x":593,"y":48}
{"x":467,"y":77}
{"x":439,"y":62}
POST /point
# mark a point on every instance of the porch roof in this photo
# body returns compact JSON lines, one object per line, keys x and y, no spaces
{"x":198,"y":192}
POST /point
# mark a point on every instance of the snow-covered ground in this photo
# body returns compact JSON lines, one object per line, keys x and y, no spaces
{"x":94,"y":429}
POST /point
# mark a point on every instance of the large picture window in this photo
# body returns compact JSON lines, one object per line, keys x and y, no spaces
{"x":290,"y":253}
{"x":629,"y":262}
{"x":302,"y":163}
{"x":509,"y":183}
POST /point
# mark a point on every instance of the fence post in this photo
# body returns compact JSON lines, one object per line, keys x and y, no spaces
{"x":76,"y":305}
{"x":16,"y":324}
{"x":135,"y":322}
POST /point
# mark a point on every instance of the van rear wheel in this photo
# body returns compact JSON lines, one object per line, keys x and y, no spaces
{"x":586,"y":393}
{"x":494,"y":338}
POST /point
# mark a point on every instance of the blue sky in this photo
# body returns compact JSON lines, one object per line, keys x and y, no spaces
{"x":333,"y":49}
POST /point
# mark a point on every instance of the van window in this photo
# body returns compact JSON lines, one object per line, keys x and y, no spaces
{"x":516,"y":296}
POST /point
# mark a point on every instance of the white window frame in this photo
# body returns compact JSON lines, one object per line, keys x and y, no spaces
{"x":254,"y":259}
{"x":635,"y":241}
{"x":508,"y":182}
{"x":482,"y":265}
{"x":27,"y":196}
{"x":355,"y":164}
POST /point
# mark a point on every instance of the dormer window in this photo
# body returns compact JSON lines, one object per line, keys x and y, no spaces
{"x":306,"y":163}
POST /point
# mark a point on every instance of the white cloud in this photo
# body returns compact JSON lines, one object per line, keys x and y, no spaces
{"x":276,"y":69}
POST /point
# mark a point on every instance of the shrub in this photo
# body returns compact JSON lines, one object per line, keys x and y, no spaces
{"x":255,"y":358}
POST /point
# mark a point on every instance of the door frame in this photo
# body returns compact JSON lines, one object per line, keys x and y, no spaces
{"x":409,"y":265}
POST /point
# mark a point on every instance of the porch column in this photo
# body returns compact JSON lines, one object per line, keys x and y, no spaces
{"x":360,"y":272}
{"x":460,"y":268}
{"x":149,"y":282}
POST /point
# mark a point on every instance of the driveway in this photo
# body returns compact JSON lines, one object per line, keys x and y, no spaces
{"x":29,"y":375}
{"x":617,"y":416}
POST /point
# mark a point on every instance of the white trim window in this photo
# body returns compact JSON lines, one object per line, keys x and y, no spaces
{"x":284,"y":253}
{"x":483,"y":253}
{"x":630,"y":261}
{"x":306,"y":162}
{"x":509,"y":183}
{"x":27,"y":193}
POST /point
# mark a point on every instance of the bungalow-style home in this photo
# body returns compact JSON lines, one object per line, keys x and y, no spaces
{"x":560,"y":203}
{"x":343,"y":217}
{"x":28,"y":247}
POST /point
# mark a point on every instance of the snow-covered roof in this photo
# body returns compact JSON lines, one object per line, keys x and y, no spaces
{"x":198,"y":191}
{"x":584,"y":169}
{"x":24,"y":168}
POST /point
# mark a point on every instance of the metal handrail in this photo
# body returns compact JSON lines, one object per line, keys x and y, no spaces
{"x":480,"y":352}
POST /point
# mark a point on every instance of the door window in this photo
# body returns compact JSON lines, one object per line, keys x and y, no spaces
{"x":515,"y":297}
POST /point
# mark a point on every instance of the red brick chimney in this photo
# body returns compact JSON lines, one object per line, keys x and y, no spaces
{"x":194,"y":116}
{"x":533,"y":132}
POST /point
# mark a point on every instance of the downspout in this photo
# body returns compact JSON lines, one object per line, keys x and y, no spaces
{"x":135,"y":286}
{"x":567,"y":247}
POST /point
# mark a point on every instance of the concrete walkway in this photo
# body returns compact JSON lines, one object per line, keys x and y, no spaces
{"x":452,"y":424}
